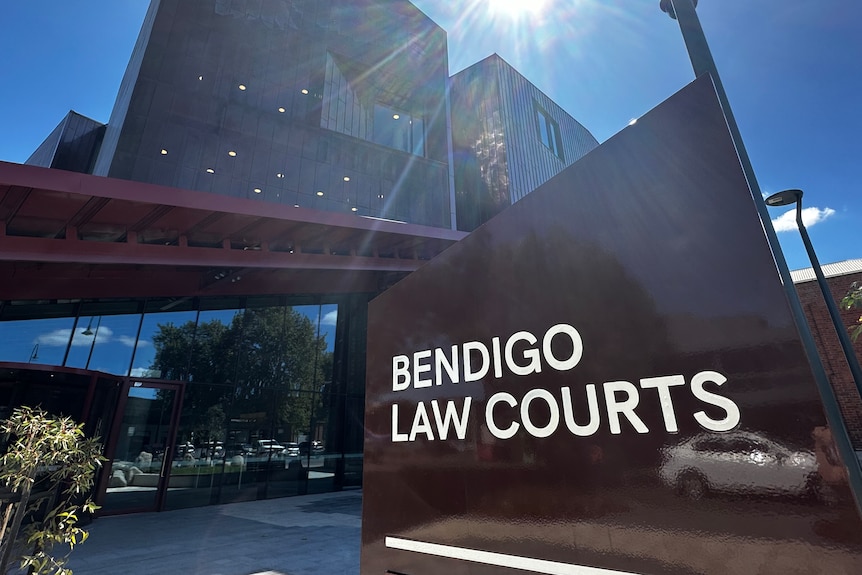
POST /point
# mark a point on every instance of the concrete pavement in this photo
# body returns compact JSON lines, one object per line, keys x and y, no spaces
{"x":305,"y":535}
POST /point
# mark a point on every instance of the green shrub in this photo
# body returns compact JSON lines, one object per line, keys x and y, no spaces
{"x":49,"y":468}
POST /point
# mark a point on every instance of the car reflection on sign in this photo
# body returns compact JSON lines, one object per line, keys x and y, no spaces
{"x":739,"y":462}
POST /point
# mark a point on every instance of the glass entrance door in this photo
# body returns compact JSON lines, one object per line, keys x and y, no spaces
{"x":141,"y":448}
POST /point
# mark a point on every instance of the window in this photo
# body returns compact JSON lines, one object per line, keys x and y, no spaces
{"x":398,"y":129}
{"x":548,"y":131}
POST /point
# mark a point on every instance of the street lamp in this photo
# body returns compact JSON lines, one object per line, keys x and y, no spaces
{"x":786,"y":198}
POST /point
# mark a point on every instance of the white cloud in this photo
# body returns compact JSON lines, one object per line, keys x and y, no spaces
{"x":329,"y":318}
{"x":787,"y":221}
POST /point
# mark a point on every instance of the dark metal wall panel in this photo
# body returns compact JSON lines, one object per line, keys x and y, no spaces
{"x":234,"y":100}
{"x":79,"y":144}
{"x":127,"y":85}
{"x":72,"y":145}
{"x":44,"y":154}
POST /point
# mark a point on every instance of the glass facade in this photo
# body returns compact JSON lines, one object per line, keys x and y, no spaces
{"x":399,"y":130}
{"x":277,"y":101}
{"x":271,"y":393}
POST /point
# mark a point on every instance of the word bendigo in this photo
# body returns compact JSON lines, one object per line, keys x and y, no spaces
{"x":505,"y":415}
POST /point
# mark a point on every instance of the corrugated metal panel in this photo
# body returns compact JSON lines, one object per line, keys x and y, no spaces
{"x":530,"y":162}
{"x":829,"y":270}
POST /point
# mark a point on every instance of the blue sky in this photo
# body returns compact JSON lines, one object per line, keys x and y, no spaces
{"x":792,"y":70}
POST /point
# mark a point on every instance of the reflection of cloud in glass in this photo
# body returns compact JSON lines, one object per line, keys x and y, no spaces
{"x":60,"y":337}
{"x":57,"y":337}
{"x":130,"y":341}
{"x":329,"y":318}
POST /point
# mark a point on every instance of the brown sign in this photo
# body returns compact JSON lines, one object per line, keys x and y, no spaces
{"x":605,"y":378}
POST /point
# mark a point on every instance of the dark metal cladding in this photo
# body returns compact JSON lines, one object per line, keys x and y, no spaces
{"x":651,"y":248}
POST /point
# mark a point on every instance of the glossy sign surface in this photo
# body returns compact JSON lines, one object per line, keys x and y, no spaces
{"x":605,"y":378}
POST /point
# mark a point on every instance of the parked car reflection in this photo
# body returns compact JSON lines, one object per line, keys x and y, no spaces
{"x":739,"y":462}
{"x":269,"y":447}
{"x":313,"y":448}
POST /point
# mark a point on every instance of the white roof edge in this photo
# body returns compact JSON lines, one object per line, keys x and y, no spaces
{"x":829,"y":270}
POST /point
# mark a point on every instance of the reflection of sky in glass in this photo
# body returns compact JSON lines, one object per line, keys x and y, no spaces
{"x":327,"y":315}
{"x":223,"y":315}
{"x":143,"y":392}
{"x":47,"y":338}
{"x":113,"y":354}
{"x":108,"y":344}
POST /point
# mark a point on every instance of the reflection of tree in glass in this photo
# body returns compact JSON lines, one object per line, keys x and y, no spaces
{"x":268,"y":360}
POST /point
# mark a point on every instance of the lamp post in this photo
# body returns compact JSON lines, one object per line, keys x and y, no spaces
{"x":683,"y":11}
{"x":95,"y":334}
{"x":785,"y":198}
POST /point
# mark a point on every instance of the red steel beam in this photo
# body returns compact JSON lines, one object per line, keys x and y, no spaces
{"x":78,"y":251}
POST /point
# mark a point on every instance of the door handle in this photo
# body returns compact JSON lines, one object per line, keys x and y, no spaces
{"x":164,"y":462}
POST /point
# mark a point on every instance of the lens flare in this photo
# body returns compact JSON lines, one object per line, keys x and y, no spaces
{"x":516,"y":8}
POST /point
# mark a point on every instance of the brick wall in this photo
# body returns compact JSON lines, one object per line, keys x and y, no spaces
{"x":830,"y":348}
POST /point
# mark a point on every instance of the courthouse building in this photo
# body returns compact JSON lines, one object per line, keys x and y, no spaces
{"x":191,"y":279}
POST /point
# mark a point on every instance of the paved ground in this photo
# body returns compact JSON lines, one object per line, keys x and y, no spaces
{"x":306,"y":535}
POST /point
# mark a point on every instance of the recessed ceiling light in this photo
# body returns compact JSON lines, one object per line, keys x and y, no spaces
{"x":164,"y":152}
{"x":354,"y":209}
{"x":320,"y":192}
{"x":232,"y":154}
{"x":200,"y":77}
{"x":241,"y":87}
{"x":281,"y":109}
{"x":295,"y":205}
{"x":257,"y":190}
{"x":395,"y":116}
{"x":279,"y":175}
{"x":304,"y":91}
{"x":210,"y":171}
{"x":633,"y":121}
{"x":346,"y":178}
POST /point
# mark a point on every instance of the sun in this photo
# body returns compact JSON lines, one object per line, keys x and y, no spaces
{"x":516,"y":8}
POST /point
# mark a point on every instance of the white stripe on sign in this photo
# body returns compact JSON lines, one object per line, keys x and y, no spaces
{"x":499,"y":559}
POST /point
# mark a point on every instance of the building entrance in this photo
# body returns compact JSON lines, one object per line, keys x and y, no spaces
{"x":141,"y":448}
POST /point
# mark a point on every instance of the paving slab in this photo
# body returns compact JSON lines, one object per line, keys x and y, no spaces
{"x":305,"y":535}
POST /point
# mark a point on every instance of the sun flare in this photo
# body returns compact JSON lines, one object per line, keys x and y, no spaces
{"x":516,"y":8}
